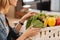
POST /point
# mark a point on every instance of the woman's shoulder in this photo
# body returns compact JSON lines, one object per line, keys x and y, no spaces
{"x":2,"y":17}
{"x":1,"y":21}
{"x":2,"y":31}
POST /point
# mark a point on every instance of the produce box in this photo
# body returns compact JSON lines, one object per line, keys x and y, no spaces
{"x":49,"y":25}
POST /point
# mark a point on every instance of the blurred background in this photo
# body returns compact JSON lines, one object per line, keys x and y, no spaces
{"x":24,"y":6}
{"x":45,"y":5}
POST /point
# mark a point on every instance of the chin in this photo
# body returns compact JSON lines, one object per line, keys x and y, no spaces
{"x":14,"y":5}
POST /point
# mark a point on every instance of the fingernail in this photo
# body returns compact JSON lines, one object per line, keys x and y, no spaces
{"x":31,"y":25}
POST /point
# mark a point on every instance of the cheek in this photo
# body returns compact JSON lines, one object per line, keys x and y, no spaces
{"x":16,"y":2}
{"x":6,"y":9}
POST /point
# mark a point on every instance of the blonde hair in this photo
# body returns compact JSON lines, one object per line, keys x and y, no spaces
{"x":4,"y":5}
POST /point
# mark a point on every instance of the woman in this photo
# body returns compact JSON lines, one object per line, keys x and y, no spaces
{"x":5,"y":29}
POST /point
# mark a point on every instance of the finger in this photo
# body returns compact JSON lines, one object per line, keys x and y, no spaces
{"x":31,"y":12}
{"x":36,"y":28}
{"x":30,"y":27}
{"x":36,"y":31}
{"x":24,"y":9}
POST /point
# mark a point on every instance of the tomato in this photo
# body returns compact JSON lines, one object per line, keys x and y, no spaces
{"x":57,"y":21}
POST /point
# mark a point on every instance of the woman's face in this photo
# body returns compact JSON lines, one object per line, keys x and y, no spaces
{"x":10,"y":2}
{"x":13,"y":2}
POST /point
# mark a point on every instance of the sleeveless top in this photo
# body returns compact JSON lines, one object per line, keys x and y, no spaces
{"x":6,"y":32}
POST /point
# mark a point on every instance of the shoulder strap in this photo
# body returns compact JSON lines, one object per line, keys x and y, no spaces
{"x":7,"y":22}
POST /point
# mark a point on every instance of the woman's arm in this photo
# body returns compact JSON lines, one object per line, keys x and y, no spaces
{"x":22,"y":37}
{"x":18,"y":26}
{"x":29,"y":32}
{"x":25,"y":17}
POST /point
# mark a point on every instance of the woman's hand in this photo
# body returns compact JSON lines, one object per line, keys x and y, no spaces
{"x":28,"y":33}
{"x":27,"y":16}
{"x":31,"y":31}
{"x":24,"y":10}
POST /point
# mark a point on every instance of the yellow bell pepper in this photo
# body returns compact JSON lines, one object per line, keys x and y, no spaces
{"x":51,"y":21}
{"x":45,"y":22}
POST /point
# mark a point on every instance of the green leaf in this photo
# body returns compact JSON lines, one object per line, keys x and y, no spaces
{"x":28,"y":22}
{"x":33,"y":21}
{"x":37,"y":24}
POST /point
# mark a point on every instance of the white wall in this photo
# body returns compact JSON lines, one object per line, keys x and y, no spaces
{"x":32,"y":0}
{"x":28,"y":0}
{"x":55,"y":6}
